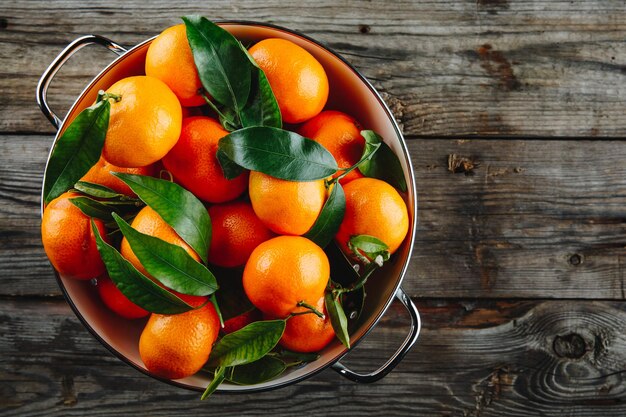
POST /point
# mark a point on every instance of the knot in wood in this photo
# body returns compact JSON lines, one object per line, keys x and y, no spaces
{"x":571,"y":346}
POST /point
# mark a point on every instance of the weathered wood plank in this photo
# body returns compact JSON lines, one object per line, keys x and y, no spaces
{"x":505,"y":67}
{"x":473,"y":359}
{"x":536,"y":219}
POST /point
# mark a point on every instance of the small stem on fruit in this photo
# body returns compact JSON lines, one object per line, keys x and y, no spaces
{"x":311,"y":308}
{"x":369,"y":270}
{"x":216,"y":110}
{"x":106,"y":96}
{"x":355,"y":166}
{"x":168,"y":175}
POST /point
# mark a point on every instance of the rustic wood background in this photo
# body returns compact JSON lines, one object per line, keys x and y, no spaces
{"x":519,"y":265}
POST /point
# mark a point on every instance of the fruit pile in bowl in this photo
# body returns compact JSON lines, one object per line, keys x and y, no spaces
{"x":223,"y":208}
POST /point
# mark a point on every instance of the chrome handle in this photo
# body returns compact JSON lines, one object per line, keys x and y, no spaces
{"x":50,"y":72}
{"x":395,"y":359}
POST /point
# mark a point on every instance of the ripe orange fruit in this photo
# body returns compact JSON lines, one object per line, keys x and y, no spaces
{"x":373,"y":208}
{"x":236,"y":232}
{"x":340,"y":134}
{"x":69,"y":240}
{"x":113,"y":298}
{"x":100,"y":173}
{"x":298,"y":80}
{"x":308,"y":332}
{"x":283,"y":271}
{"x":286,"y":207}
{"x":144,"y":125}
{"x":177,"y":346}
{"x":169,"y":59}
{"x":193,"y":162}
{"x":149,"y":222}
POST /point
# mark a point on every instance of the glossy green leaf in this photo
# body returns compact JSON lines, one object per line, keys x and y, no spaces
{"x":262,"y":370}
{"x":168,"y":263}
{"x":98,"y":191}
{"x":138,"y":288}
{"x":329,"y":219}
{"x":229,"y":168}
{"x":77,"y":150}
{"x":279,"y":153}
{"x":92,"y":208}
{"x":375,"y":249}
{"x":224,"y":68}
{"x":218,"y":378}
{"x":103,"y":209}
{"x":177,"y":206}
{"x":337,"y":318}
{"x":262,"y":108}
{"x":384,"y":164}
{"x":248,"y":344}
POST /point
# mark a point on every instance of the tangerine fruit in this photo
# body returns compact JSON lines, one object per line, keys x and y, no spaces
{"x":340,"y":134}
{"x":236,"y":231}
{"x":284,"y":271}
{"x":193,"y":162}
{"x":169,"y":59}
{"x":298,"y":80}
{"x":69,"y":241}
{"x":286,"y":207}
{"x":308,"y":332}
{"x":177,"y":346}
{"x":373,"y":208}
{"x":100,"y":173}
{"x":144,"y":124}
{"x":117,"y":302}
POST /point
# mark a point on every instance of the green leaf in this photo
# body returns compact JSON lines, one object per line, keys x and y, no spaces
{"x":337,"y":318}
{"x":177,"y":206}
{"x":218,"y":378}
{"x":279,"y":153}
{"x":138,"y":288}
{"x":264,"y":369}
{"x":103,"y":209}
{"x":329,"y":219}
{"x":248,"y":344}
{"x":77,"y":150}
{"x":168,"y":263}
{"x":384,"y":164}
{"x":375,"y":249}
{"x":92,"y":208}
{"x":224,"y":68}
{"x":98,"y":191}
{"x":262,"y":108}
{"x":229,"y":168}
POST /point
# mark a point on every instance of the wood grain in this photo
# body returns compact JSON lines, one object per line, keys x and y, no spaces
{"x":556,"y":357}
{"x":473,"y":67}
{"x":534,"y":219}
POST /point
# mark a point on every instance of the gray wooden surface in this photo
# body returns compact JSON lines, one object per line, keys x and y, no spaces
{"x":519,"y":265}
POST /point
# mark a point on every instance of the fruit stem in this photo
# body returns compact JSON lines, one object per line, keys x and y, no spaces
{"x":369,"y":270}
{"x":364,"y":158}
{"x":311,"y":310}
{"x":106,"y":96}
{"x":216,"y":110}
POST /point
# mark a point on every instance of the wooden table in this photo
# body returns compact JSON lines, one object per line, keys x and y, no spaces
{"x":520,"y":261}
